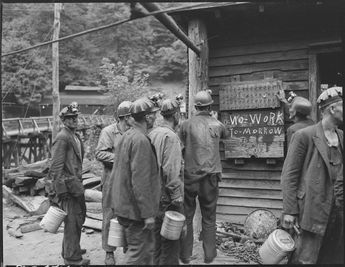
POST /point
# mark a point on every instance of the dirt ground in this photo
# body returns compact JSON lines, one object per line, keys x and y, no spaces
{"x":44,"y":248}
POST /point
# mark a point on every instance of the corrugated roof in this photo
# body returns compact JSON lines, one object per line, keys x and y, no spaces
{"x":66,"y":99}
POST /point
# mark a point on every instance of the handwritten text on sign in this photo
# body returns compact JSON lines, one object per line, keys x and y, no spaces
{"x":254,"y":133}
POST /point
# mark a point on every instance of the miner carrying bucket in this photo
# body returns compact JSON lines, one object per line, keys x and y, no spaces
{"x":68,"y":191}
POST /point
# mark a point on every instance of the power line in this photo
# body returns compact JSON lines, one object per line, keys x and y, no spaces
{"x":104,"y":27}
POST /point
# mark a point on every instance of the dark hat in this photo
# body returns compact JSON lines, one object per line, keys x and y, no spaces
{"x":169,"y":107}
{"x":70,"y":111}
{"x":301,"y":105}
{"x":143,"y":106}
{"x":330,"y":96}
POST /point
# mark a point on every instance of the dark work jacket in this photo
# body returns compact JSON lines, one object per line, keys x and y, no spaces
{"x":307,"y":185}
{"x":200,"y":136}
{"x":297,"y":126}
{"x":105,"y":150}
{"x":136,"y":187}
{"x":170,"y":164}
{"x":66,"y":165}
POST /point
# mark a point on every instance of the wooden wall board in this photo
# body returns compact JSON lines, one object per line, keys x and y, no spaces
{"x":238,"y":210}
{"x":254,"y":203}
{"x":250,"y":193}
{"x":252,"y":165}
{"x":249,"y":95}
{"x":258,"y":134}
{"x":285,"y":76}
{"x":259,"y":58}
{"x":287,"y":65}
{"x":252,"y":175}
{"x":250,"y":184}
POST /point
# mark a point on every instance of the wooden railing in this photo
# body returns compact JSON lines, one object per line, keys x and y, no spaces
{"x":24,"y":126}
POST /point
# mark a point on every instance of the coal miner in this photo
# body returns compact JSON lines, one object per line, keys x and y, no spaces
{"x":312,"y":185}
{"x":200,"y":136}
{"x":136,"y":186}
{"x":105,"y":150}
{"x":66,"y":174}
{"x":170,"y":165}
{"x":299,"y":112}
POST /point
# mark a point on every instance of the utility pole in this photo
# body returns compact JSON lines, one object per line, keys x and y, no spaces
{"x":55,"y":61}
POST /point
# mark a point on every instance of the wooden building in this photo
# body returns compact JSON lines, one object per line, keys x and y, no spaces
{"x":88,"y":97}
{"x":249,"y":51}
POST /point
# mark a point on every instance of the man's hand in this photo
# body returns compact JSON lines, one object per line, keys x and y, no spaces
{"x":178,"y":202}
{"x":149,"y":223}
{"x":281,"y":96}
{"x":288,"y":221}
{"x":214,"y":114}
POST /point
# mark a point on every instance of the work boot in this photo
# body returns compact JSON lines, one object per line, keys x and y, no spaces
{"x":109,"y":258}
{"x":79,"y":262}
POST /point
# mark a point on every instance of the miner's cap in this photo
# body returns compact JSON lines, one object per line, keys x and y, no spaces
{"x":330,"y":96}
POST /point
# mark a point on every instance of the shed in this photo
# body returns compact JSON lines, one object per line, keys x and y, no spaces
{"x":249,"y":50}
{"x":88,"y":98}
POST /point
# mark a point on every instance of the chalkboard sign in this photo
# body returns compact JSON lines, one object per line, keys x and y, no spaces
{"x":255,"y":133}
{"x":249,"y":94}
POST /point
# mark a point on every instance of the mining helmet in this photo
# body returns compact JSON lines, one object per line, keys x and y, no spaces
{"x":70,"y":111}
{"x":301,"y":105}
{"x":330,"y":96}
{"x":203,"y":98}
{"x":123,"y":108}
{"x":143,"y":106}
{"x":169,"y":107}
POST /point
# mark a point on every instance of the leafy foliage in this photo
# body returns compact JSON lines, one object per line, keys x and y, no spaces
{"x":145,"y":46}
{"x":123,"y":82}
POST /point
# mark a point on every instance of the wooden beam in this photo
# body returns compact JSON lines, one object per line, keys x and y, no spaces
{"x":313,"y":85}
{"x":55,"y":71}
{"x":172,"y":26}
{"x":198,"y":66}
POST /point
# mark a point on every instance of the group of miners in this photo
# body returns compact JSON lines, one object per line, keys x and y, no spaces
{"x":150,"y":169}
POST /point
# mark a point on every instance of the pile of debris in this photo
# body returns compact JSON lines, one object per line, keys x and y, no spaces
{"x":232,"y":240}
{"x":31,"y":179}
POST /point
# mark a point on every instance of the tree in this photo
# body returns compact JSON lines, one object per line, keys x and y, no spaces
{"x":122,"y":82}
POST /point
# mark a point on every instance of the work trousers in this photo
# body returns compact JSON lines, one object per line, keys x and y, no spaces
{"x":166,"y":251}
{"x":140,"y":242}
{"x":316,"y":249}
{"x":108,"y":214}
{"x":206,"y":190}
{"x":76,"y":211}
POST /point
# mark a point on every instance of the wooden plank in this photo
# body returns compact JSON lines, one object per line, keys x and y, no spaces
{"x":239,"y":210}
{"x":285,"y":76}
{"x":95,"y":216}
{"x":252,"y":175}
{"x":93,"y":224}
{"x":235,"y":219}
{"x":249,"y":94}
{"x":259,"y":58}
{"x":33,"y":205}
{"x":250,"y":193}
{"x":313,"y":84}
{"x":91,"y":182}
{"x":257,"y":48}
{"x":251,"y":68}
{"x":93,"y":195}
{"x":250,"y":184}
{"x":254,"y":203}
{"x":251,"y":165}
{"x":258,"y":134}
{"x":197,"y":66}
{"x":94,"y":207}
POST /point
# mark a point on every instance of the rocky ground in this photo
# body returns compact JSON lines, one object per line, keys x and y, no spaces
{"x":43,"y":248}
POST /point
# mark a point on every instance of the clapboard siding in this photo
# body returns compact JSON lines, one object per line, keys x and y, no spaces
{"x":251,"y":193}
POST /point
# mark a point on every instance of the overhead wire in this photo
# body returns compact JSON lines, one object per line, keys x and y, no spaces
{"x":185,"y":8}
